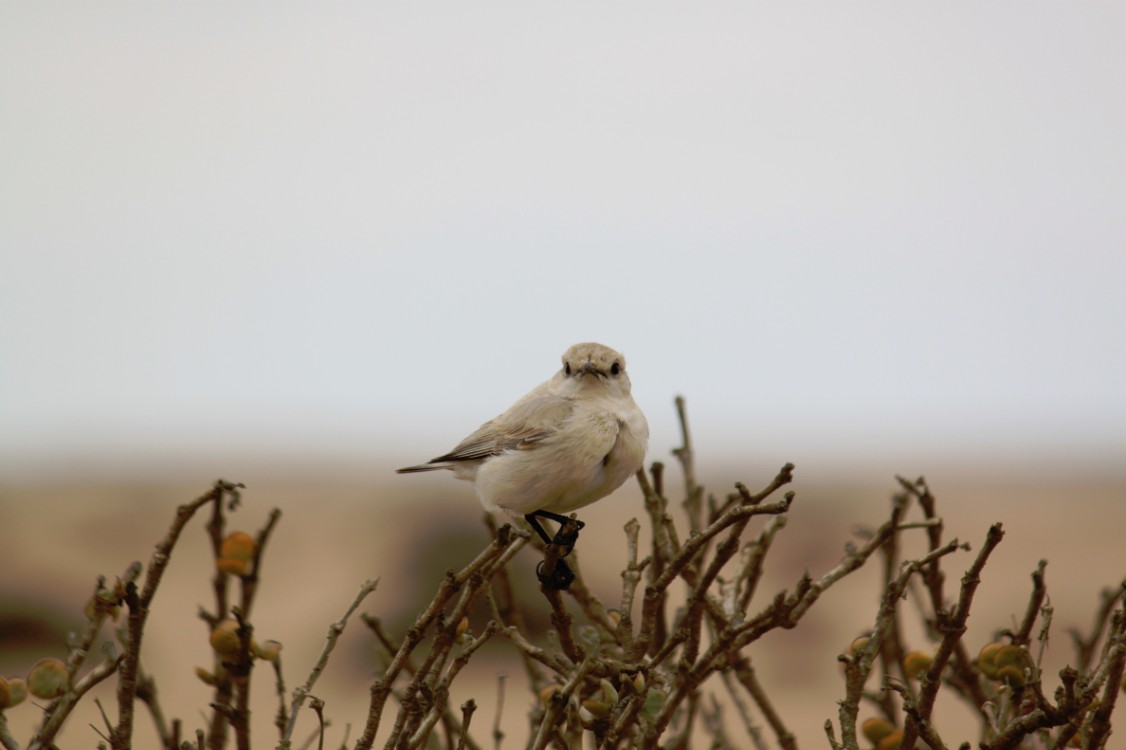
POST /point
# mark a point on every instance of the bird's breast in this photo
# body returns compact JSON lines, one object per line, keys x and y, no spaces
{"x":599,"y":447}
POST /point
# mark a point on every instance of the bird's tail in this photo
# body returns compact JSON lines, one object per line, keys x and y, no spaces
{"x":421,"y":467}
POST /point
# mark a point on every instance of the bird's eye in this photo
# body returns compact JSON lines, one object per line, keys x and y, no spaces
{"x":567,"y":367}
{"x":615,"y":368}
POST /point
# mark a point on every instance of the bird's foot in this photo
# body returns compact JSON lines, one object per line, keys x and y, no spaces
{"x":568,"y":535}
{"x":561,"y":576}
{"x":553,"y":571}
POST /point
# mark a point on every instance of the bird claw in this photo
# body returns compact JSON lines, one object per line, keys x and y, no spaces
{"x":568,"y":540}
{"x":561,"y":576}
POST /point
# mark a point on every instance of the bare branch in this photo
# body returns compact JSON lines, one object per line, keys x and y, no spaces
{"x":121,"y":737}
{"x":467,"y":710}
{"x":953,"y":628}
{"x":334,"y":632}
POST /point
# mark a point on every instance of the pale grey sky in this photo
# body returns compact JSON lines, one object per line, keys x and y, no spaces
{"x":876,"y":235}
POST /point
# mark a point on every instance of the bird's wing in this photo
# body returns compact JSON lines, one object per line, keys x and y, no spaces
{"x":530,"y":420}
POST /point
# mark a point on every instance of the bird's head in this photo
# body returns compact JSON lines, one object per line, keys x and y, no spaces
{"x":594,"y":366}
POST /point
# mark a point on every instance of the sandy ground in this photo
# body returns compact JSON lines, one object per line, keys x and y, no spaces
{"x":57,"y":538}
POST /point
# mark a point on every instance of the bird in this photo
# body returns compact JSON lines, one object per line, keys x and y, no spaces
{"x":570,"y":441}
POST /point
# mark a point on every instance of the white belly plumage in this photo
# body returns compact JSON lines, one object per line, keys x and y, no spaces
{"x":588,"y":460}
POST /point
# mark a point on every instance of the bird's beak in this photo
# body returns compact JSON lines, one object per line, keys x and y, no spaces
{"x":589,"y":369}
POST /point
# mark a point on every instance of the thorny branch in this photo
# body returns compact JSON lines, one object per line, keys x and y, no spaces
{"x":668,"y":660}
{"x":233,"y":680}
{"x":334,"y":633}
{"x":953,"y":627}
{"x":139,"y":603}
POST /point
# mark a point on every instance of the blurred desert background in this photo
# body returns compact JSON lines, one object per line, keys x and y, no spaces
{"x":298,"y":246}
{"x":334,"y":535}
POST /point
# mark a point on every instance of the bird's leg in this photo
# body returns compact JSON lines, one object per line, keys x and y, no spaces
{"x":558,"y":574}
{"x":535,"y":524}
{"x":566,"y":540}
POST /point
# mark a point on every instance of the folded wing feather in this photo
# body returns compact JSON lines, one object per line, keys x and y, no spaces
{"x":529,"y":421}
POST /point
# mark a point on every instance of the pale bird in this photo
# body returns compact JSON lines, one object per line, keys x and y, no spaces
{"x":572,"y":440}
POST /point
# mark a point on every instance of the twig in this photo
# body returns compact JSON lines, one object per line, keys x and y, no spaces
{"x":498,"y":735}
{"x":334,"y":632}
{"x":1023,"y":634}
{"x":953,"y":628}
{"x":63,"y":705}
{"x":631,"y":578}
{"x":922,"y":724}
{"x":224,"y":688}
{"x":240,"y":669}
{"x":831,"y":736}
{"x":590,"y":605}
{"x":750,"y":571}
{"x":1116,"y":665}
{"x":693,"y":492}
{"x":561,"y":620}
{"x":423,"y":691}
{"x":558,"y":702}
{"x":103,"y":603}
{"x":713,"y":722}
{"x":1085,"y":647}
{"x":529,"y":650}
{"x":121,"y":737}
{"x":785,"y":610}
{"x":932,"y":576}
{"x":441,"y":691}
{"x":449,"y":722}
{"x":654,"y":593}
{"x":626,"y":719}
{"x":753,"y":731}
{"x":859,"y":665}
{"x":892,"y":650}
{"x":1046,"y":613}
{"x":215,"y":528}
{"x":663,"y":550}
{"x":318,"y":708}
{"x":281,"y":718}
{"x":6,"y":739}
{"x":699,"y":594}
{"x":497,"y":553}
{"x":146,"y":693}
{"x":503,"y":602}
{"x":105,"y":720}
{"x":467,"y":710}
{"x":249,"y":582}
{"x":745,"y":674}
